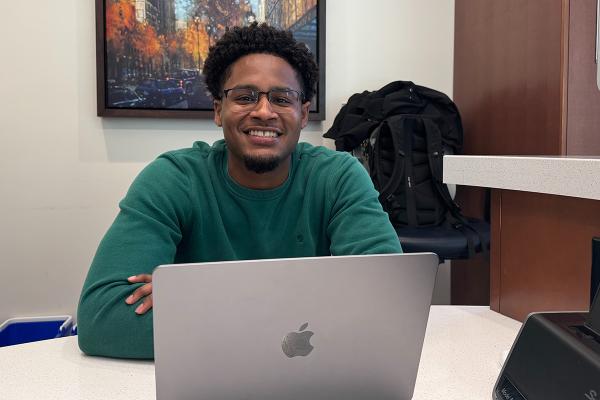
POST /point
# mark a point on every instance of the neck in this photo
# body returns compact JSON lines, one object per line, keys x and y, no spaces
{"x":252,"y":180}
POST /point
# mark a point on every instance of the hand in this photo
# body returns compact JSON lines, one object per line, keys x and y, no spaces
{"x":144,"y":291}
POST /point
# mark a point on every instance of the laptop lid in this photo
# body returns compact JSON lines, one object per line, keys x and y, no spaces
{"x":348,"y":327}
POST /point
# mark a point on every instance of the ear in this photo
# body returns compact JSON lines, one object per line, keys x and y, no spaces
{"x":304,"y":111}
{"x":217,"y":106}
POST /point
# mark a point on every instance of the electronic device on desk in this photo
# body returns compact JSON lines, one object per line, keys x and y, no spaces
{"x":556,"y":355}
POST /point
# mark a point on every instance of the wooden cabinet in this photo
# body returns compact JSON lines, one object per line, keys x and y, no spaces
{"x":544,"y":256}
{"x":525,"y":83}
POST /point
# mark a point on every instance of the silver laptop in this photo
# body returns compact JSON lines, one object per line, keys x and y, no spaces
{"x":347,"y":327}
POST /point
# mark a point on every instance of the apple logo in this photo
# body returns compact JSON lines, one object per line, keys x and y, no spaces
{"x":297,"y":343}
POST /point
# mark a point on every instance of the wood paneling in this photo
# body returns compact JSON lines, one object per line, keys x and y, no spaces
{"x":507,"y":75}
{"x":583,"y":118}
{"x":545,"y":263}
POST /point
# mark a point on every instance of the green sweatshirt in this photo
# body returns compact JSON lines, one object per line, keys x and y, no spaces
{"x":184,"y":207}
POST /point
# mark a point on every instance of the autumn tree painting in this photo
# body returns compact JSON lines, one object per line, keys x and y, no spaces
{"x":155,"y":49}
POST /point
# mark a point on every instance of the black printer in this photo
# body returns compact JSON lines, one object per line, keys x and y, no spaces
{"x":556,"y":355}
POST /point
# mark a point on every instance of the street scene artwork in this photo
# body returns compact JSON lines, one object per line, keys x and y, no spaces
{"x":154,"y":50}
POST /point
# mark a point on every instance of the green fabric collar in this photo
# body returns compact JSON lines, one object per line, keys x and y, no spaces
{"x":244,"y":192}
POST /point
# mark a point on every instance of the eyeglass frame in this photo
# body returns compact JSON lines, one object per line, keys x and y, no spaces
{"x":267,"y":94}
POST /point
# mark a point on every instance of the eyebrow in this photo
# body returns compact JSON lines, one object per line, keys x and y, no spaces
{"x":258,"y":90}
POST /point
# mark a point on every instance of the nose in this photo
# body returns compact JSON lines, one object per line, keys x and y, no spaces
{"x":263,"y":109}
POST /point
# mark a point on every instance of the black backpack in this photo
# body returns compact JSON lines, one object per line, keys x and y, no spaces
{"x":401,"y":133}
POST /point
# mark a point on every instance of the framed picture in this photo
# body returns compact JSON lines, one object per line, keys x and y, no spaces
{"x":150,"y":53}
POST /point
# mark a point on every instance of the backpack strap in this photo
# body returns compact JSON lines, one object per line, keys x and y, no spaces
{"x":387,"y":185}
{"x":435,"y":156}
{"x":472,"y":233}
{"x":455,"y":217}
{"x":374,"y":158}
{"x":401,"y":129}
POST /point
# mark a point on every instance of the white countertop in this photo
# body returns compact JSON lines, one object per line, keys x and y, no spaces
{"x":564,"y":176}
{"x":461,"y":359}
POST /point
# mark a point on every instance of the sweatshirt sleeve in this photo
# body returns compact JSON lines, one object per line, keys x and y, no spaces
{"x":145,"y":234}
{"x":358,"y":223}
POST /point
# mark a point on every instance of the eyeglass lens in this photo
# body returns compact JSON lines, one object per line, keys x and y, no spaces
{"x":277,"y":97}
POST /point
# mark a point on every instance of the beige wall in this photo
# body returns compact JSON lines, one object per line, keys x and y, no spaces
{"x":63,"y":170}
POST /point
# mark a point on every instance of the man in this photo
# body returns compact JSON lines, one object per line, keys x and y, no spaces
{"x":256,"y":194}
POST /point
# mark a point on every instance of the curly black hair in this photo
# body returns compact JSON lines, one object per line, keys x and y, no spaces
{"x":258,"y":38}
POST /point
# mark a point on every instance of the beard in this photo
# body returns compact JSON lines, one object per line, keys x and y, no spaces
{"x":261,"y":165}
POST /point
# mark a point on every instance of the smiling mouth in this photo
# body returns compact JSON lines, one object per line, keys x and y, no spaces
{"x":258,"y":133}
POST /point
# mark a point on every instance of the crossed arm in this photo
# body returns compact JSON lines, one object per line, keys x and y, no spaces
{"x":145,"y":234}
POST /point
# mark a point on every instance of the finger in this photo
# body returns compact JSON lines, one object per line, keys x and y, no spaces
{"x":140,"y":278}
{"x":140,"y":292}
{"x":145,"y":306}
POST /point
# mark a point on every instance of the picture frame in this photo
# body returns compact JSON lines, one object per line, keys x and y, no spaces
{"x":149,"y":53}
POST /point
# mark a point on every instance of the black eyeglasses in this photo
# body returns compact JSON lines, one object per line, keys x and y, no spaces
{"x":279,"y":98}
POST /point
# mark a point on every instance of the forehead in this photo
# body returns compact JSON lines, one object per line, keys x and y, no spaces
{"x":264,"y":71}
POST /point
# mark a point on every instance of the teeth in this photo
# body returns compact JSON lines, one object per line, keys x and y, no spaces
{"x":263,"y":133}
